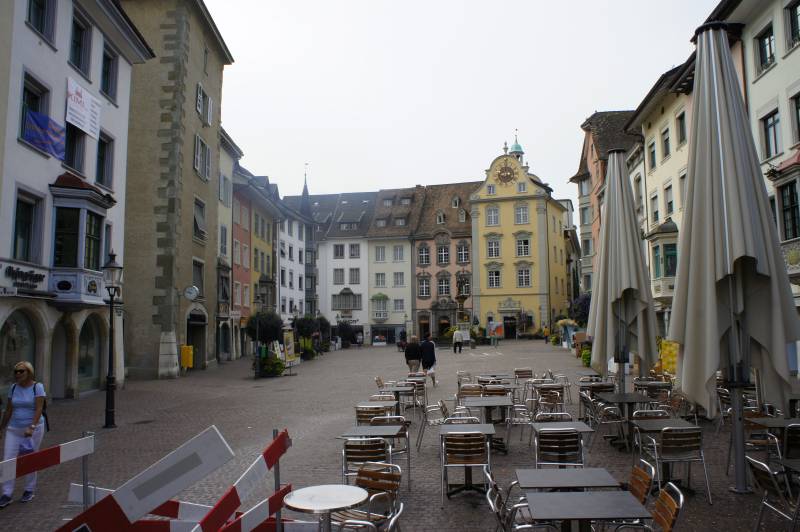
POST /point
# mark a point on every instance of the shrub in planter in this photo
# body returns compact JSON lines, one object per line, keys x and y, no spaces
{"x":586,"y":357}
{"x":272,"y":366}
{"x":308,"y":354}
{"x":325,"y":346}
{"x":555,"y":339}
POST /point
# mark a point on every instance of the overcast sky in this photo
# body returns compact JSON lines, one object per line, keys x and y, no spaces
{"x":382,"y":94}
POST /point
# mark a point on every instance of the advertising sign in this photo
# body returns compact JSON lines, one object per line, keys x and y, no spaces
{"x":83,"y":109}
{"x":290,"y":357}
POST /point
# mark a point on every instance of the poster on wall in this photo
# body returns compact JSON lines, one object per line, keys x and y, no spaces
{"x":83,"y":109}
{"x":290,"y":357}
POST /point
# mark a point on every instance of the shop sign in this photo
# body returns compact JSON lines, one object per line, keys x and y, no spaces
{"x":6,"y":291}
{"x":28,"y":279}
{"x":83,"y":109}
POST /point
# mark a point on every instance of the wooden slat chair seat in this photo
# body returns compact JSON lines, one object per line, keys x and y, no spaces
{"x":358,"y":451}
{"x":757,"y":440}
{"x":667,"y":507}
{"x":364,"y":414}
{"x":459,"y":449}
{"x":724,"y":406}
{"x":429,"y":420}
{"x":469,"y":390}
{"x":606,"y":387}
{"x":639,"y":485}
{"x":495,"y":390}
{"x":381,"y":397}
{"x":677,"y":445}
{"x":382,"y":482}
{"x":550,"y":400}
{"x":561,"y":447}
{"x":549,"y":417}
{"x":644,"y":414}
{"x":522,"y":374}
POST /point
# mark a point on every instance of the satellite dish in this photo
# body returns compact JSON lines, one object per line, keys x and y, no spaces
{"x":191,"y":293}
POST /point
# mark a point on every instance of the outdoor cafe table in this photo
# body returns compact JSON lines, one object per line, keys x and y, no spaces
{"x":656,"y":426}
{"x":493,"y":376}
{"x":773,"y":422}
{"x":584,"y":506}
{"x":578,"y":478}
{"x":628,"y":399}
{"x":382,"y":404}
{"x":325,"y":499}
{"x":791,"y":463}
{"x":586,"y":373}
{"x":379,"y":431}
{"x":396,"y":391}
{"x":580,"y":426}
{"x":484,"y":428}
{"x":486,"y":404}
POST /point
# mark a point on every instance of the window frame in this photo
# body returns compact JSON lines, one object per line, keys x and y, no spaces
{"x":380,"y":280}
{"x":74,"y":148}
{"x":110,"y":77}
{"x":201,"y":289}
{"x":354,"y":276}
{"x":380,"y":253}
{"x":680,"y":127}
{"x":200,"y":226}
{"x":424,"y":287}
{"x":462,"y":253}
{"x":443,"y":286}
{"x":338,"y":273}
{"x":669,"y":200}
{"x":33,"y":85}
{"x":83,"y":66}
{"x":442,"y":254}
{"x":47,"y":31}
{"x":521,"y":277}
{"x":401,"y":276}
{"x":666,"y":147}
{"x":494,"y":279}
{"x":426,"y":251}
{"x":765,"y":48}
{"x":771,"y":133}
{"x":526,"y":247}
{"x":34,"y":233}
{"x":522,"y":215}
{"x":108,"y":162}
{"x":336,"y":249}
{"x":792,"y":15}
{"x":790,"y":214}
{"x":493,"y":248}
{"x":357,"y":253}
{"x":492,"y":213}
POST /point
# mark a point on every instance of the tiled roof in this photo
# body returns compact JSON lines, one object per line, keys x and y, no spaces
{"x":660,"y":87}
{"x":583,"y":167}
{"x":608,"y":130}
{"x":438,"y":198}
{"x":390,"y":213}
{"x":330,"y":210}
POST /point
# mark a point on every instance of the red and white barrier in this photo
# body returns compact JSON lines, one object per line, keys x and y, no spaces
{"x":58,"y":454}
{"x":151,"y":525}
{"x":245,"y":485}
{"x":154,"y":486}
{"x":258,"y":515}
{"x":180,"y":510}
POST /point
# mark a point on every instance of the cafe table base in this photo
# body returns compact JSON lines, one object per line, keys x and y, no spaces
{"x":452,"y":489}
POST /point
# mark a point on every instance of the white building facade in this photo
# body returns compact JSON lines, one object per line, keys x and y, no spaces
{"x":230,"y":153}
{"x":292,"y":265}
{"x":63,"y":155}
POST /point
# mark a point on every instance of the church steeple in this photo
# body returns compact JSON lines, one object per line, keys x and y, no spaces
{"x":305,"y":201}
{"x":516,"y":148}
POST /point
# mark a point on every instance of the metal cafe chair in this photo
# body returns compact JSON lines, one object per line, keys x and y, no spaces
{"x":432,"y":421}
{"x":665,"y":510}
{"x":364,"y":414}
{"x":381,"y":397}
{"x":548,"y":417}
{"x":382,"y":481}
{"x":402,"y":435}
{"x":358,"y":451}
{"x":724,"y":406}
{"x":757,"y":439}
{"x":677,"y":445}
{"x":550,"y":400}
{"x":610,"y":416}
{"x":469,"y":390}
{"x":461,"y":418}
{"x":392,"y":525}
{"x":644,"y":414}
{"x":522,"y":374}
{"x":563,"y":380}
{"x":463,"y":377}
{"x":558,"y":447}
{"x":521,"y":415}
{"x":640,"y":485}
{"x":463,"y":449}
{"x":776,"y":499}
{"x":510,"y":515}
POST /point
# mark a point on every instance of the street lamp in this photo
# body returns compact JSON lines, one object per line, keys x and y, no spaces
{"x":112,"y":275}
{"x":257,"y":304}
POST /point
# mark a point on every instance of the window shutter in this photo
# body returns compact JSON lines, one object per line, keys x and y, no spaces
{"x":197,"y":152}
{"x":209,"y":110}
{"x":207,"y":168}
{"x":199,"y":99}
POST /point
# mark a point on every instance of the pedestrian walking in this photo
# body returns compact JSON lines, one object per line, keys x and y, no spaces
{"x":413,"y":354}
{"x":429,"y":358}
{"x":458,"y":340}
{"x":24,"y":426}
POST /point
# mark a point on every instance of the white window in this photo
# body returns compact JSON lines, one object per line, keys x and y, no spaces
{"x":355,"y":276}
{"x":583,"y":187}
{"x":204,"y":105}
{"x":424,"y":255}
{"x":439,"y":218}
{"x":443,"y":254}
{"x":494,"y":278}
{"x":523,"y":247}
{"x":237,"y":253}
{"x":463,"y":253}
{"x":522,"y":186}
{"x":665,"y":145}
{"x":462,"y":215}
{"x":246,"y":294}
{"x":524,"y":278}
{"x":355,"y":251}
{"x":399,"y":305}
{"x":200,"y":230}
{"x":338,"y":251}
{"x":521,"y":215}
{"x":380,"y":222}
{"x":380,"y":280}
{"x":493,"y":248}
{"x":387,"y":202}
{"x":492,"y":216}
{"x":654,"y":208}
{"x":455,"y":203}
{"x":202,"y":157}
{"x":443,"y":287}
{"x":399,"y":279}
{"x":380,"y":253}
{"x":237,"y":293}
{"x":424,"y":288}
{"x":465,"y":286}
{"x":490,"y":190}
{"x":586,"y":217}
{"x":338,"y":276}
{"x":246,"y":256}
{"x":223,"y":240}
{"x":398,"y":254}
{"x":668,"y":200}
{"x":399,"y":222}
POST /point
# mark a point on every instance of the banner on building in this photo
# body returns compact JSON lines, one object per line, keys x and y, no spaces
{"x":42,"y":132}
{"x":83,"y":109}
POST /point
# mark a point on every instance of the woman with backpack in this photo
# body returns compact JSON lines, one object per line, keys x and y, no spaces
{"x":24,"y":426}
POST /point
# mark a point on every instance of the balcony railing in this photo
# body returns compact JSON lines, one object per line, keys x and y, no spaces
{"x":663,"y":288}
{"x":380,"y":315}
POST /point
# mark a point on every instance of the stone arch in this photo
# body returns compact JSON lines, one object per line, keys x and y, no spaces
{"x":41,"y":331}
{"x":64,"y":359}
{"x":92,"y":352}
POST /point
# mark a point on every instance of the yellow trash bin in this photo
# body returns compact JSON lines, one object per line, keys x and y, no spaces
{"x":187,"y":356}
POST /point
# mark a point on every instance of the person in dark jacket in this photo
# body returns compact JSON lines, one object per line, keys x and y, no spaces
{"x":413,"y":355}
{"x":429,"y":357}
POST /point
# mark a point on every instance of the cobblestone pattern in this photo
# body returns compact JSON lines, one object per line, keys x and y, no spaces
{"x":154,"y":417}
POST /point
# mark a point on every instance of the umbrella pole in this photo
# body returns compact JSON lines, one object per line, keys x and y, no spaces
{"x":622,"y":334}
{"x":736,"y":378}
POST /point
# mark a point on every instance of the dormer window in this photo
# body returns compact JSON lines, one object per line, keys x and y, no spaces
{"x":522,"y":186}
{"x":399,"y":222}
{"x":381,"y":222}
{"x":490,"y":190}
{"x":462,"y":216}
{"x":440,"y":218}
{"x":405,"y":201}
{"x":387,"y":202}
{"x":455,"y":202}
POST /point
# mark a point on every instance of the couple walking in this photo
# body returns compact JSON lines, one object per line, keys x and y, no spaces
{"x":424,"y":352}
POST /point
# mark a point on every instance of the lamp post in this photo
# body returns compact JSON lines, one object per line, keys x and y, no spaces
{"x":112,"y":274}
{"x":257,"y":302}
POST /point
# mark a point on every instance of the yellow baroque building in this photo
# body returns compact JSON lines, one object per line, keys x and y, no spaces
{"x":520,"y":273}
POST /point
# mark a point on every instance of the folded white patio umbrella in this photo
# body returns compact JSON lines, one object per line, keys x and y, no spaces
{"x":621,"y":316}
{"x":733,"y":306}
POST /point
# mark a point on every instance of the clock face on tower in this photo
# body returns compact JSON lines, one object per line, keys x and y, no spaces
{"x":506,"y":174}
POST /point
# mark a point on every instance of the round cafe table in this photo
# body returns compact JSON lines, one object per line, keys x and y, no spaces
{"x":325,"y":499}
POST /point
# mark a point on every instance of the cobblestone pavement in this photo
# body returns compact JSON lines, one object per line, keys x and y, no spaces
{"x":154,"y":417}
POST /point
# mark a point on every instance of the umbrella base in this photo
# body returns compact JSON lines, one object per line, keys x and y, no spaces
{"x":748,"y":490}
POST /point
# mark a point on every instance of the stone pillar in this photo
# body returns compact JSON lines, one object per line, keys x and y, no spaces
{"x":477,"y":268}
{"x":168,"y":355}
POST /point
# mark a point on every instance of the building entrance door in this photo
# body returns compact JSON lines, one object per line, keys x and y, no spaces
{"x":444,"y":324}
{"x":196,"y":337}
{"x":510,"y":327}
